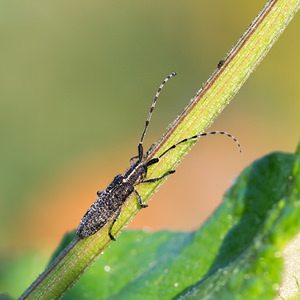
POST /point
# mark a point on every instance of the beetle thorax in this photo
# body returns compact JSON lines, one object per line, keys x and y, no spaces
{"x":136,"y":173}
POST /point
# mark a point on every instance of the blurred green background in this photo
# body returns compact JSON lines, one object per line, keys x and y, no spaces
{"x":76,"y":83}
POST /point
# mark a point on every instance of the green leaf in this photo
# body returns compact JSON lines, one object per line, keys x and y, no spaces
{"x":17,"y":271}
{"x":5,"y":297}
{"x":237,"y":254}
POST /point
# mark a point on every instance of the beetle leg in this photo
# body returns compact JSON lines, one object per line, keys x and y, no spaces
{"x":140,"y":199}
{"x":99,"y":193}
{"x":158,"y":178}
{"x":112,"y":224}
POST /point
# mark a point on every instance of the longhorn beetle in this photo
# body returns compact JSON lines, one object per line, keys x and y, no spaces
{"x":109,"y":202}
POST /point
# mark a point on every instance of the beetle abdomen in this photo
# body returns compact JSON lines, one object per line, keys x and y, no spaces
{"x":105,"y":207}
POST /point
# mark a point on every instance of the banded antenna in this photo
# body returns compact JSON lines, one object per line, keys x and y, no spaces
{"x":140,"y":146}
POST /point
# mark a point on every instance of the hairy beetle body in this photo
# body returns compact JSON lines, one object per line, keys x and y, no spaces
{"x":109,"y":203}
{"x":111,"y":200}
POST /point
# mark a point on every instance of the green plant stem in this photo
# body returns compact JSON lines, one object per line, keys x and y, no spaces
{"x":197,"y":116}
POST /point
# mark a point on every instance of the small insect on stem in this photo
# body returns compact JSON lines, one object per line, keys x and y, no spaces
{"x":108,"y":205}
{"x":221,"y":63}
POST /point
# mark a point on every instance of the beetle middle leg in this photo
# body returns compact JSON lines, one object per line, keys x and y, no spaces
{"x":142,"y":205}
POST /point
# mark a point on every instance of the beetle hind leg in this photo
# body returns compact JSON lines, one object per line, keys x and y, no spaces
{"x":112,"y":224}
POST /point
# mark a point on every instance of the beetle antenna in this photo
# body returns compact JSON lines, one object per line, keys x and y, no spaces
{"x":140,"y":147}
{"x":199,"y":135}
